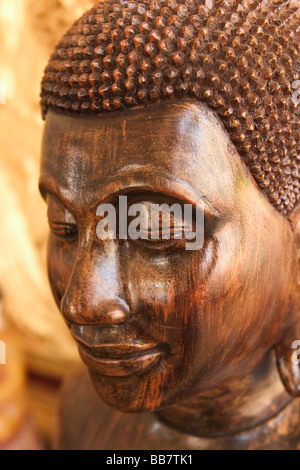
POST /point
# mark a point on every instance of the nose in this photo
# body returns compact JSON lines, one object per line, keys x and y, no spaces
{"x":95,"y":294}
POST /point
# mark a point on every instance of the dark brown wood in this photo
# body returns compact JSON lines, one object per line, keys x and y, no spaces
{"x":196,"y":340}
{"x":238,"y":57}
{"x":86,"y":423}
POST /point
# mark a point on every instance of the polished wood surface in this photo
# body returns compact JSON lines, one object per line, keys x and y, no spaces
{"x":88,"y":424}
{"x":201,"y":339}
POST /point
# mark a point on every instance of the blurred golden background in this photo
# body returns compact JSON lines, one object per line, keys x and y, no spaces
{"x":39,"y":350}
{"x":43,"y":350}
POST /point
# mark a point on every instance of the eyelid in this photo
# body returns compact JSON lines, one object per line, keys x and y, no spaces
{"x":58,"y":230}
{"x":161,"y":245}
{"x":173,"y":216}
{"x":111,"y":190}
{"x":171,"y":227}
{"x":61,"y":224}
{"x":152,"y":197}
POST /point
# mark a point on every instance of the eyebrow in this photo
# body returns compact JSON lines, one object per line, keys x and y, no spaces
{"x":48,"y":185}
{"x":178,"y":190}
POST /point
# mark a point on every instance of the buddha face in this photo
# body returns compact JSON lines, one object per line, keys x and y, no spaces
{"x":156,"y":323}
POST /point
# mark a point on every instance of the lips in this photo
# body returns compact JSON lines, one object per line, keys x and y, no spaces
{"x":113,"y":358}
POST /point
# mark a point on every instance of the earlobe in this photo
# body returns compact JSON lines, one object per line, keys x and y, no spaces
{"x":288,"y":361}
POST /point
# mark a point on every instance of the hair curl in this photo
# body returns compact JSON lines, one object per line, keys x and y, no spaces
{"x":239,"y":57}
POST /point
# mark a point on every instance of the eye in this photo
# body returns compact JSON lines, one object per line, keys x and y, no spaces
{"x":160,"y":226}
{"x":63,"y":231}
{"x":61,"y":222}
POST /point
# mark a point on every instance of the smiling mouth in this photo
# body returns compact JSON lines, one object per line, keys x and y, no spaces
{"x":122,"y":365}
{"x":117,"y":359}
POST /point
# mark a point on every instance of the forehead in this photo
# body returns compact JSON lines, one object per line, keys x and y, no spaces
{"x":178,"y":147}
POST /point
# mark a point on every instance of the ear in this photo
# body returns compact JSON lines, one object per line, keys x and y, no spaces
{"x":287,"y":350}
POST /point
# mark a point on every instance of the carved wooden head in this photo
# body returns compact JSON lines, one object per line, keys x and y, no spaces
{"x":154,"y":321}
{"x":239,"y":57}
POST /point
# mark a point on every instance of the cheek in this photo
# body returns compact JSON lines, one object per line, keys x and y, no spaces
{"x":61,"y":258}
{"x":168,"y":294}
{"x":244,"y":293}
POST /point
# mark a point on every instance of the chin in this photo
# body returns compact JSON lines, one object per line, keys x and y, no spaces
{"x":129,"y":395}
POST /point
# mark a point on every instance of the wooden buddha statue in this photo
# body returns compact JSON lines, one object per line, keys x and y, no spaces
{"x":177,"y":103}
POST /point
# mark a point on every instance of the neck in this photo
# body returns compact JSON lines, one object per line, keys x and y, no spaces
{"x":242,"y":403}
